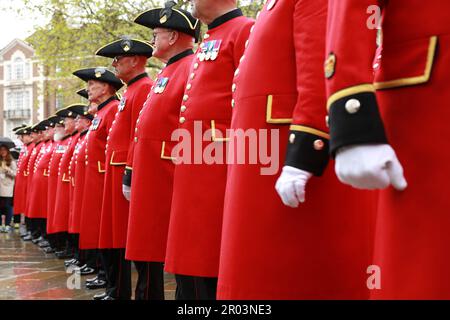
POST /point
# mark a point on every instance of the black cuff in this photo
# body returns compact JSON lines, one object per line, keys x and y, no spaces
{"x":355,"y":125}
{"x":307,"y":152}
{"x":126,"y":179}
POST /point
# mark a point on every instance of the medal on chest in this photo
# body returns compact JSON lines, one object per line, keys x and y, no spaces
{"x":209,"y":50}
{"x":95,"y":124}
{"x":122,"y":104}
{"x":160,"y":85}
{"x":61,"y":149}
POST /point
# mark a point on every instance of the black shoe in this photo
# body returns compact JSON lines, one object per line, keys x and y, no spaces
{"x":69,"y":262}
{"x":48,"y":250}
{"x":43,"y":244}
{"x":92,"y":279}
{"x":27,"y":238}
{"x":108,"y":298}
{"x":97,"y":284}
{"x":100,"y":296}
{"x":24,"y":234}
{"x":85,"y":270}
{"x":37,"y":240}
{"x":64,"y":254}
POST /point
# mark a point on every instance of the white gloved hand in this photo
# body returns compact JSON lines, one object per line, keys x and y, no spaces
{"x":126,"y":190}
{"x":291,"y":186}
{"x":370,"y":167}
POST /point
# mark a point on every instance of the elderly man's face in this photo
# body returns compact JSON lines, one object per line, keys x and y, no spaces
{"x":123,"y":66}
{"x":161,"y":41}
{"x":96,"y":89}
{"x":199,"y":7}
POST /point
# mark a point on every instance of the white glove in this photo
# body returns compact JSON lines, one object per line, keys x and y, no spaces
{"x":126,"y":190}
{"x":370,"y":167}
{"x":291,"y":186}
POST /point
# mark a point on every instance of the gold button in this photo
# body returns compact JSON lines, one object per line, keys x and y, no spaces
{"x":318,"y":145}
{"x":236,"y":72}
{"x":246,"y":43}
{"x":185,"y":97}
{"x":292,"y":138}
{"x":182,"y":120}
{"x":183,"y":108}
{"x":192,"y":76}
{"x":233,"y":88}
{"x":196,"y":66}
{"x":86,"y":163}
{"x":189,"y":86}
{"x":135,"y":139}
{"x":136,"y":130}
{"x":233,"y":103}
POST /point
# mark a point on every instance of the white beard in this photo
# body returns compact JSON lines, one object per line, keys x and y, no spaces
{"x":58,"y":136}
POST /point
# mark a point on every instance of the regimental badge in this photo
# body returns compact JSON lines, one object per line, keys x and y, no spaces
{"x":61,"y":149}
{"x":209,"y":50}
{"x":99,"y":72}
{"x":95,"y":124}
{"x":160,"y":85}
{"x":122,"y":104}
{"x":271,"y":4}
{"x":163,"y":19}
{"x":330,"y":65}
{"x":126,"y":45}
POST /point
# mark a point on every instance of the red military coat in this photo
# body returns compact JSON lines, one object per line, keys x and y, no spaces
{"x":321,"y":249}
{"x":198,"y":192}
{"x":151,"y":163}
{"x":91,"y":207}
{"x":35,"y":155}
{"x":62,"y":204}
{"x":20,"y":186}
{"x":411,"y":91}
{"x":53,"y":169}
{"x":114,"y":222}
{"x":78,"y":170}
{"x":38,"y":196}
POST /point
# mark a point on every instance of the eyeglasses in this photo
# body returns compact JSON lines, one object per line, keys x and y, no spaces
{"x":155,"y":34}
{"x":118,"y":58}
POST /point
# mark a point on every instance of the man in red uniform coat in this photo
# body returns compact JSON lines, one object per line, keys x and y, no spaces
{"x":35,"y":225}
{"x":150,"y":158}
{"x":102,"y":85}
{"x":20,"y":186}
{"x":62,"y":205}
{"x":319,"y":249}
{"x":372,"y":114}
{"x":193,"y":246}
{"x":60,"y":139}
{"x":38,"y":207}
{"x":129,"y":61}
{"x":84,"y":260}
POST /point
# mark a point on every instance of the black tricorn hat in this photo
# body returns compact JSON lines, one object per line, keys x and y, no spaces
{"x":19,"y":127}
{"x":54,"y":120}
{"x":126,"y":47}
{"x":81,"y":110}
{"x":99,"y":74}
{"x":170,"y":18}
{"x":23,"y":131}
{"x":66,"y":112}
{"x":40,"y":126}
{"x":83,"y":92}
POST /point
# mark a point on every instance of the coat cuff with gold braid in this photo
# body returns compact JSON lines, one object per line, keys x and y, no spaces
{"x":354,"y":118}
{"x":126,"y":180}
{"x":307,"y":149}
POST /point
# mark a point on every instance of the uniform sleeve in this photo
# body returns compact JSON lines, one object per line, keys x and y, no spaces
{"x":352,"y":106}
{"x":308,"y":138}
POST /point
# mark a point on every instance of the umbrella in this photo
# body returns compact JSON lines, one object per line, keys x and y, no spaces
{"x":7,"y":142}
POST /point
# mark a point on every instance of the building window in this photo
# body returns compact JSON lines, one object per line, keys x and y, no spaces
{"x":19,"y":69}
{"x":18,"y":99}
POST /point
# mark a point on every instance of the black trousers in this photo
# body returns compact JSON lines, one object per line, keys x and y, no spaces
{"x":16,"y":218}
{"x":150,"y":283}
{"x":195,"y":288}
{"x":118,"y":273}
{"x":58,"y":241}
{"x":74,"y":241}
{"x":89,"y":257}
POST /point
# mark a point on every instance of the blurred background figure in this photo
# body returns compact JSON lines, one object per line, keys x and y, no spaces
{"x":7,"y":176}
